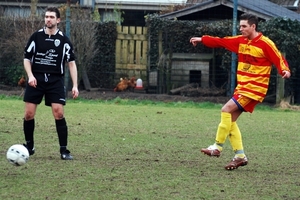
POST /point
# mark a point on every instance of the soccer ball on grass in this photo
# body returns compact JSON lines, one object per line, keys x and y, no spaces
{"x":17,"y":155}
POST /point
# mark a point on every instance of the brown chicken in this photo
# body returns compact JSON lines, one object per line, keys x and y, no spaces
{"x":22,"y":82}
{"x":125,"y":84}
{"x":122,"y":85}
{"x":131,"y":83}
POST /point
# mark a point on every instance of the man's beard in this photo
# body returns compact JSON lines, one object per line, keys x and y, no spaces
{"x":50,"y":26}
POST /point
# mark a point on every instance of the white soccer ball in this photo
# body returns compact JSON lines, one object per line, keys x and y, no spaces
{"x":17,"y":155}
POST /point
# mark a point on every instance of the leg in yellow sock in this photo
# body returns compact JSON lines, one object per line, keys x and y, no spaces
{"x":223,"y":129}
{"x":235,"y":138}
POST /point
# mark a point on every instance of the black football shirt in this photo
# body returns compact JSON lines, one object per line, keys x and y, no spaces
{"x":48,"y":54}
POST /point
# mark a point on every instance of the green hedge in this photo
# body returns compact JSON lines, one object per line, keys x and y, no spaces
{"x":101,"y":73}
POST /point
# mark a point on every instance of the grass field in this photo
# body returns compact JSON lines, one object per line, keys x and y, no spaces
{"x":126,"y":149}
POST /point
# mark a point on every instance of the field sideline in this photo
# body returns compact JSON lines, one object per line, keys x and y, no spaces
{"x":125,"y":149}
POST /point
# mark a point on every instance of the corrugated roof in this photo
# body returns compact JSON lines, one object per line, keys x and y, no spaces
{"x":155,"y":5}
{"x":263,"y":8}
{"x":145,"y":1}
{"x":290,"y":4}
{"x":268,"y":8}
{"x":285,"y":3}
{"x":39,"y":1}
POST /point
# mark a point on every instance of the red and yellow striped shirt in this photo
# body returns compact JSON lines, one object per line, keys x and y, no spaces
{"x":255,"y":59}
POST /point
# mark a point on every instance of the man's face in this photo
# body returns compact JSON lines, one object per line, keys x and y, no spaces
{"x":51,"y":20}
{"x":246,"y":29}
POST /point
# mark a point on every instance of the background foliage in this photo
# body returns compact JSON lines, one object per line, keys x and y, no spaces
{"x":102,"y":70}
{"x":94,"y":43}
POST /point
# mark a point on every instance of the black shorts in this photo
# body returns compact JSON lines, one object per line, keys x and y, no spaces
{"x":50,"y":86}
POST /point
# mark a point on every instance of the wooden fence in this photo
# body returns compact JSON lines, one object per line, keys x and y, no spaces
{"x":131,"y":51}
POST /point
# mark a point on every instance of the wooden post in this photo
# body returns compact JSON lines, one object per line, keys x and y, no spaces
{"x":279,"y":89}
{"x":169,"y":66}
{"x":213,"y":67}
{"x":33,"y":8}
{"x":68,"y":33}
{"x":161,"y":65}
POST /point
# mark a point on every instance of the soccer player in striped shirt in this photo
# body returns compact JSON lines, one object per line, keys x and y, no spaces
{"x":256,"y":55}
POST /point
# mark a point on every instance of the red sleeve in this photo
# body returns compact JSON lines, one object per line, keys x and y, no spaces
{"x":276,"y":58}
{"x":230,"y":43}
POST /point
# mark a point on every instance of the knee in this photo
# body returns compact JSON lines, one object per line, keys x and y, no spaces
{"x":28,"y":116}
{"x":58,"y":113}
{"x":58,"y":116}
{"x":226,"y":108}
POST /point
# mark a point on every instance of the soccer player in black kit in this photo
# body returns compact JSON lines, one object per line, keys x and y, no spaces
{"x":45,"y":54}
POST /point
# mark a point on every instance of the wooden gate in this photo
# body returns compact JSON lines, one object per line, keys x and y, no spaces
{"x":131,"y":51}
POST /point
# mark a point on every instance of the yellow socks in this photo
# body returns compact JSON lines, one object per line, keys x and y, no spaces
{"x":223,"y":128}
{"x":235,"y":138}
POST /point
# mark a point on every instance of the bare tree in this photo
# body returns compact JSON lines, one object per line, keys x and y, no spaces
{"x":15,"y":32}
{"x":83,"y":36}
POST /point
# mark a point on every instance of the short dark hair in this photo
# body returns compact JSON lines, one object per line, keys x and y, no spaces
{"x":53,"y":9}
{"x":252,"y":19}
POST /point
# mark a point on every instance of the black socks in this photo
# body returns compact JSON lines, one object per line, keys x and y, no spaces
{"x":61,"y":128}
{"x":28,"y":128}
{"x":62,"y":132}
